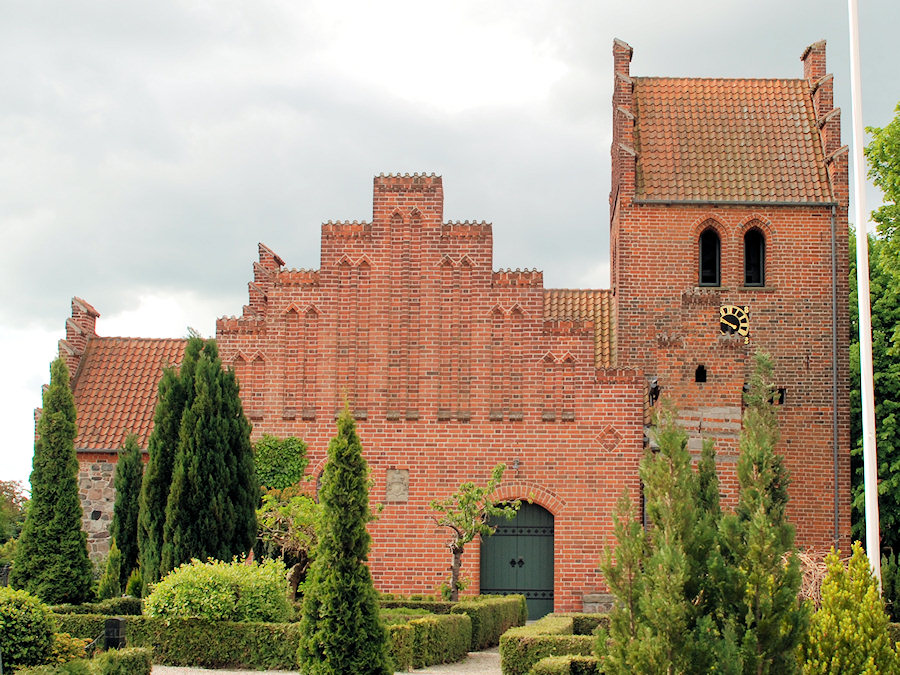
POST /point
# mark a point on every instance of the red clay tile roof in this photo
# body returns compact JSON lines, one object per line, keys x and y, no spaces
{"x":562,"y":304}
{"x":115,"y":388}
{"x":728,"y":140}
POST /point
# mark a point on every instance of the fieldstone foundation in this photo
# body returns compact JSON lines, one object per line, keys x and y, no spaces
{"x":97,"y":491}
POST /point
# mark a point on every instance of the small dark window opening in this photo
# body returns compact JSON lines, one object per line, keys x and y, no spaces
{"x":754,"y":258}
{"x":778,"y":396}
{"x":710,"y":249}
{"x":95,"y":515}
{"x":700,"y":374}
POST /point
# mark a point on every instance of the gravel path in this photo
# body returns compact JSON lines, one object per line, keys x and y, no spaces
{"x":476,"y":663}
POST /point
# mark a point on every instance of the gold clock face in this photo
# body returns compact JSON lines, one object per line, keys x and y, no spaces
{"x":734,"y":319}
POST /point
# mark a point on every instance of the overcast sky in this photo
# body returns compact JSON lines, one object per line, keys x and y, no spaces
{"x":145,"y":148}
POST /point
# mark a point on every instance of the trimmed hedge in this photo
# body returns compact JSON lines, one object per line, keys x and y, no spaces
{"x":80,"y":625}
{"x":132,"y":661}
{"x":433,"y":606}
{"x":586,"y":624}
{"x":112,"y":607}
{"x":492,"y":616}
{"x":521,"y":648}
{"x":440,"y":639}
{"x":567,"y":665}
{"x":401,"y":646}
{"x":216,"y":644}
{"x":894,"y":632}
{"x":271,"y":646}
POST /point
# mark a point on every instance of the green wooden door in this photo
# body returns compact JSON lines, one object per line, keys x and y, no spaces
{"x":518,"y":558}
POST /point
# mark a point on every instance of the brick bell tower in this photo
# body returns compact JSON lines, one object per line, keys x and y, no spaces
{"x":728,"y":235}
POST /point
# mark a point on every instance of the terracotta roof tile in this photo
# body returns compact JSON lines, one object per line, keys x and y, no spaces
{"x":743,"y":140}
{"x":562,"y":304}
{"x":115,"y":388}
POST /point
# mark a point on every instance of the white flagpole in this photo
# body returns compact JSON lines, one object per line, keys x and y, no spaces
{"x":870,"y":461}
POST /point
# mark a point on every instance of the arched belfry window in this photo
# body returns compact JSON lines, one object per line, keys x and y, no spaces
{"x":754,"y":258}
{"x":710,"y":257}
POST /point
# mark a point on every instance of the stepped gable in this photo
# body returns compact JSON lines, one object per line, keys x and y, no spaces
{"x":563,"y":305}
{"x":116,"y":386}
{"x":732,"y":140}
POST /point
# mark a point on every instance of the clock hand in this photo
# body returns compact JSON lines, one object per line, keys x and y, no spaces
{"x":728,"y":323}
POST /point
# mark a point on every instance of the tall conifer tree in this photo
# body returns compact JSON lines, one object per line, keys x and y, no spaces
{"x":341,"y":627}
{"x":124,"y":528}
{"x":52,"y":559}
{"x":758,"y":541}
{"x":211,"y":509}
{"x":175,"y":392}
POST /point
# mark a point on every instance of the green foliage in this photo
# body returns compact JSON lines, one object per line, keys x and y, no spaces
{"x":440,"y":639}
{"x":12,"y":509}
{"x":890,"y":585}
{"x":236,"y":591}
{"x":342,"y":631}
{"x":467,"y":514}
{"x":130,"y":661}
{"x":280,"y":462}
{"x":135,"y":585}
{"x":211,"y":508}
{"x":491,"y":617}
{"x":668,"y":579}
{"x":431,"y":606}
{"x":401,"y":646}
{"x":552,"y":635}
{"x":26,"y":629}
{"x":51,"y":556}
{"x":8,"y":551}
{"x":883,"y":154}
{"x":80,"y":625}
{"x":769,"y":619}
{"x":175,"y":393}
{"x":884,"y":286}
{"x":110,"y":586}
{"x":288,"y":525}
{"x":77,"y":667}
{"x":124,"y":528}
{"x":567,"y":665}
{"x":700,"y":591}
{"x":849,"y":633}
{"x":111,"y":607}
{"x":201,"y":643}
{"x":67,"y":648}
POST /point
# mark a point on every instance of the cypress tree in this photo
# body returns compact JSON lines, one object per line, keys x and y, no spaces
{"x":51,"y":558}
{"x":110,"y":585}
{"x":175,"y":390}
{"x":211,"y":509}
{"x":124,"y":528}
{"x":341,"y":627}
{"x":770,"y":620}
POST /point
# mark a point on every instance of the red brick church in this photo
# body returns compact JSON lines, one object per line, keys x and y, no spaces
{"x":728,"y":234}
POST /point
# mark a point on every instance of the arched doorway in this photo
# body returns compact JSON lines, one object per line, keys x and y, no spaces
{"x":518,"y":558}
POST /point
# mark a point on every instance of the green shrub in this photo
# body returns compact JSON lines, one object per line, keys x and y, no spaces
{"x":26,"y":627}
{"x":67,"y":648}
{"x":521,"y":648}
{"x":280,"y":462}
{"x":567,"y":665}
{"x":80,"y":625}
{"x":850,"y":631}
{"x":110,"y":607}
{"x":401,"y":646}
{"x":491,"y":617}
{"x":431,"y":606}
{"x":135,"y":584}
{"x":402,"y":615}
{"x":131,"y":661}
{"x":220,"y":591}
{"x":110,"y":585}
{"x":216,"y":644}
{"x":440,"y":639}
{"x":77,"y":667}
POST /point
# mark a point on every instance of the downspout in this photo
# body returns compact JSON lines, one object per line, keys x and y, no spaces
{"x":834,"y":370}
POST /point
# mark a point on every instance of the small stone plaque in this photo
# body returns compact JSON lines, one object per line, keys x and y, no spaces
{"x":397,"y":485}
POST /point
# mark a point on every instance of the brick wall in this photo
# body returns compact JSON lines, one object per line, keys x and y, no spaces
{"x":449,"y":368}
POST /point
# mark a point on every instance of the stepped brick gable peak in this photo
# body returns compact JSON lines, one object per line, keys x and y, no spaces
{"x":728,"y":233}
